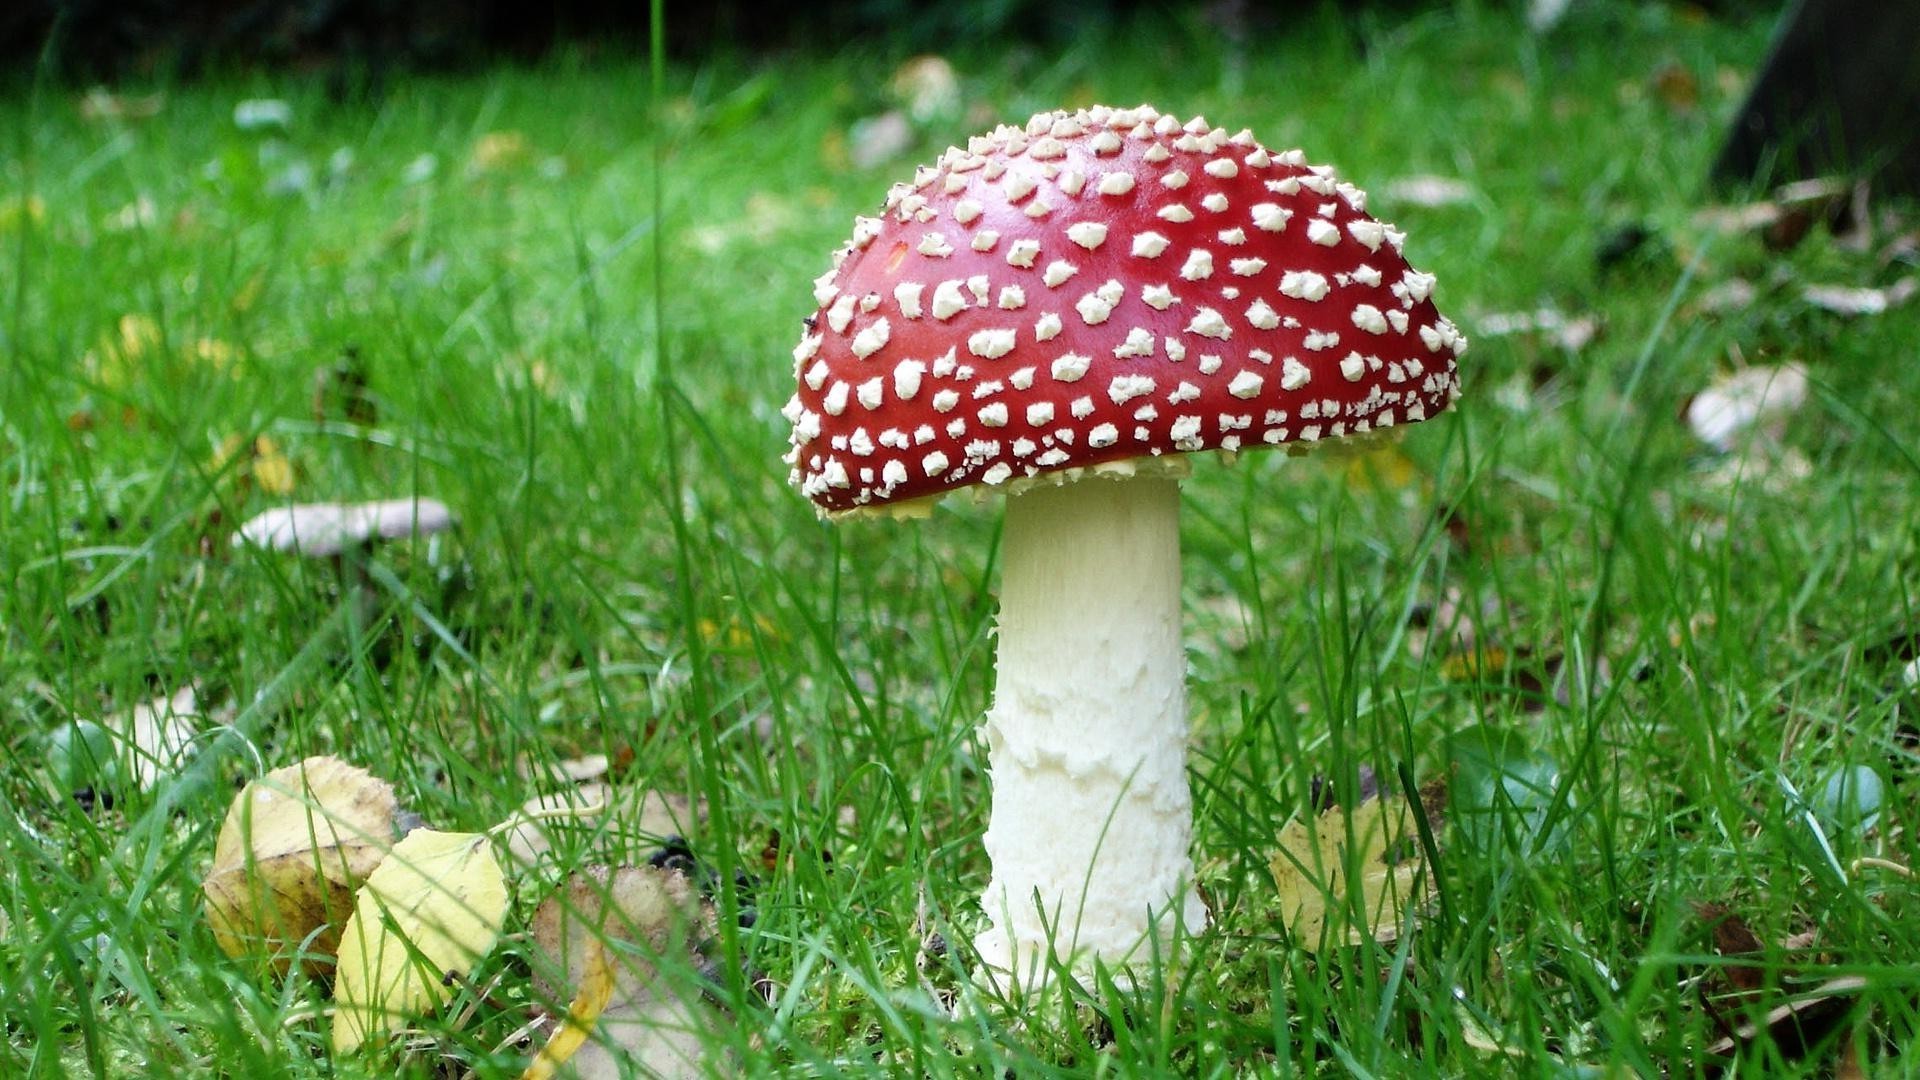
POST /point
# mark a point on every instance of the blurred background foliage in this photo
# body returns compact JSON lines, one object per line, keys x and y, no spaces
{"x":351,"y":41}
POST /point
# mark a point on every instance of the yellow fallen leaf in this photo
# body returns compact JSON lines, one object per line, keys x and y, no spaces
{"x":117,"y":361}
{"x":1318,"y":897}
{"x":271,"y":469}
{"x":1481,"y":662}
{"x":431,"y":909}
{"x":295,"y":845}
{"x":17,"y":212}
{"x":735,"y":636}
{"x":266,"y":465}
{"x":596,"y":989}
{"x":1384,"y":468}
{"x":248,"y":294}
{"x":496,"y":151}
{"x":217,"y":354}
{"x":139,"y":334}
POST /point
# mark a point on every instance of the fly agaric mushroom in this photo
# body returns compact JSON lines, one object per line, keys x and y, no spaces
{"x":1090,"y":298}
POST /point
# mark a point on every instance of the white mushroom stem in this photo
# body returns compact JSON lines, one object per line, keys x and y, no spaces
{"x":1087,"y":736}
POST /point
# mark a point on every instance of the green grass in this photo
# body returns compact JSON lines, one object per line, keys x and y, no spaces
{"x":595,"y":389}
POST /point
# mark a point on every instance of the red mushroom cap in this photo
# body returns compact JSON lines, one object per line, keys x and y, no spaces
{"x":1103,"y":285}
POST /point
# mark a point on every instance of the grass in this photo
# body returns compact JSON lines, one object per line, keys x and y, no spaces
{"x":1678,"y":650}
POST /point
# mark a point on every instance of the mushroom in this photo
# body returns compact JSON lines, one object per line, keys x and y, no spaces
{"x":1063,"y":312}
{"x":342,"y":535}
{"x":323,"y":530}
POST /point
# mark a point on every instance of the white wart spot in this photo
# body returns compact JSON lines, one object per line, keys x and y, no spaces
{"x":1149,"y":245}
{"x":1088,"y":234}
{"x":1208,"y":323}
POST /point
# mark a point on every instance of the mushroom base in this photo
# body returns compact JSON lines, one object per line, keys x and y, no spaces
{"x":1087,"y":736}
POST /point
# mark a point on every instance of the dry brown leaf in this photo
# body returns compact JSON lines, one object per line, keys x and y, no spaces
{"x":1785,"y":219}
{"x":156,"y":735}
{"x":596,"y":989}
{"x":617,"y":820}
{"x":574,"y":770}
{"x":101,"y":104}
{"x":1550,"y":325}
{"x":1731,"y":295}
{"x":1795,"y":1026}
{"x":295,"y":845}
{"x":1850,"y":301}
{"x":638,"y":916}
{"x":1738,"y":219}
{"x":1733,"y":939}
{"x":1317,"y":897}
{"x":1752,"y":398}
{"x":1677,"y":87}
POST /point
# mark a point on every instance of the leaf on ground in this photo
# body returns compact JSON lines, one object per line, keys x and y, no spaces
{"x":589,"y":1001}
{"x":1736,"y":941}
{"x":261,"y":114}
{"x":875,"y":140}
{"x":499,"y":151}
{"x":928,"y":87}
{"x":272,"y":470}
{"x":650,"y":924}
{"x":1344,"y":877}
{"x":118,"y":361}
{"x":155,"y":736}
{"x":1383,"y":468}
{"x":1550,"y":326}
{"x":1426,"y":191}
{"x":1785,"y":219}
{"x":574,"y":770}
{"x":82,"y":756}
{"x":1503,"y":790}
{"x":340,"y":391}
{"x":1483,"y":663}
{"x":616,"y":820}
{"x":734,"y":635}
{"x":260,"y":462}
{"x":1482,"y":1038}
{"x":21,"y":211}
{"x":1850,"y":301}
{"x":295,"y":844}
{"x":137,"y":216}
{"x":1851,"y":798}
{"x":430,"y":910}
{"x":1800,"y":1025}
{"x":1676,"y":87}
{"x":100,"y":104}
{"x":1754,"y":398}
{"x":1729,"y":296}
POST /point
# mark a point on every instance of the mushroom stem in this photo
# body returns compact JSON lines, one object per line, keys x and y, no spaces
{"x":1087,"y":736}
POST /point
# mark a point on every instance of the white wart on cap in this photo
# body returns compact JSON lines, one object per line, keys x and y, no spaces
{"x":1098,"y":286}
